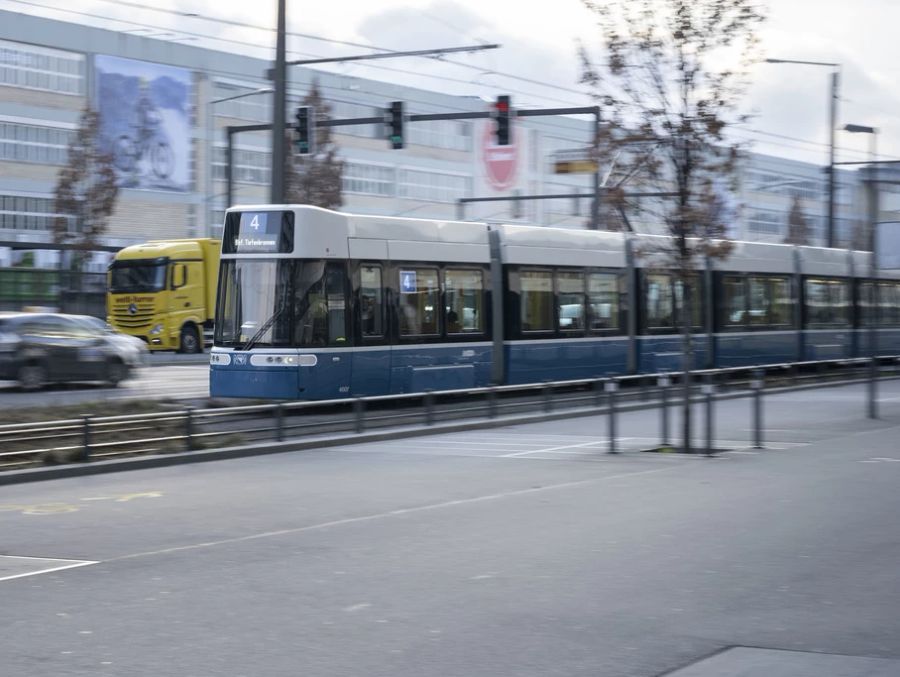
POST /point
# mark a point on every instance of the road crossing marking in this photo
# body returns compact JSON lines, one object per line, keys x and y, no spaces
{"x":12,"y":562}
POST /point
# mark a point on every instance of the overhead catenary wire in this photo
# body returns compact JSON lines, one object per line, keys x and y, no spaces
{"x":444,"y":78}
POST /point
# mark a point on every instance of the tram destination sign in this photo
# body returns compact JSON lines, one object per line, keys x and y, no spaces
{"x":259,"y":232}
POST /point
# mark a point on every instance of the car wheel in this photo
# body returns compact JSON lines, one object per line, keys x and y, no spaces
{"x":190,"y":340}
{"x":32,"y":377}
{"x":116,"y":373}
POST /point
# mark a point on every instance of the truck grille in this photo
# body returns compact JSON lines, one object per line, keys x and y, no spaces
{"x":141,"y":317}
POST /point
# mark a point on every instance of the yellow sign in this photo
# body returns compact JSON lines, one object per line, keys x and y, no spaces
{"x":575,"y":167}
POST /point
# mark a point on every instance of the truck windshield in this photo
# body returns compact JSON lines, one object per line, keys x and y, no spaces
{"x":137,"y":276}
{"x":254,"y":303}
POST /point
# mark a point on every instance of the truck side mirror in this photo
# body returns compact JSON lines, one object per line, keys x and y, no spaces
{"x":179,"y":275}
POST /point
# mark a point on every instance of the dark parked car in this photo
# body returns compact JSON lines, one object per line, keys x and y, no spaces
{"x":41,"y":348}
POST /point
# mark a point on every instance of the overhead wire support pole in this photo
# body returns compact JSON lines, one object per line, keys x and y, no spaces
{"x":279,"y":80}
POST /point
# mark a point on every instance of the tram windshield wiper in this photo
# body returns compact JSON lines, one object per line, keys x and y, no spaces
{"x":264,"y":327}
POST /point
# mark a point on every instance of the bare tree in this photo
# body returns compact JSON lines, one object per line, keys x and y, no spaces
{"x":86,"y":190}
{"x":316,"y":179}
{"x":798,"y":228}
{"x":669,"y":76}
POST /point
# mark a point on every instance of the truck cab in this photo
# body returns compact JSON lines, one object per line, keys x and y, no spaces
{"x":163,"y":292}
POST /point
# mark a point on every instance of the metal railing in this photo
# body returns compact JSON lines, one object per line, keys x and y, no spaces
{"x":191,"y":429}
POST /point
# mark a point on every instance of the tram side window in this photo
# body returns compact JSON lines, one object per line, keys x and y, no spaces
{"x":419,"y":302}
{"x":660,"y":304}
{"x":464,"y":301}
{"x":770,"y":301}
{"x":320,"y":305}
{"x":371,"y":306}
{"x":336,"y":304}
{"x":696,"y":301}
{"x":827,"y":303}
{"x":603,"y":301}
{"x":782,"y":304}
{"x":734,"y":301}
{"x":888,"y":304}
{"x":536,"y":300}
{"x":570,"y":305}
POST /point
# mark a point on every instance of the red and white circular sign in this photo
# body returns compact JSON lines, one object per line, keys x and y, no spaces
{"x":500,"y":162}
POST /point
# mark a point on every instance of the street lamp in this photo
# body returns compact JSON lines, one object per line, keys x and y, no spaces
{"x":874,"y":314}
{"x":208,"y":145}
{"x":832,"y":125}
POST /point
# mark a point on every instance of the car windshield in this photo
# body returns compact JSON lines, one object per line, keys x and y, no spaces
{"x":137,"y":276}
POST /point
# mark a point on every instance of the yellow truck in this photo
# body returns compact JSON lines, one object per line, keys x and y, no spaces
{"x":164,"y":292}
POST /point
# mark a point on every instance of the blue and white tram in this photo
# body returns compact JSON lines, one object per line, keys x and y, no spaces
{"x":316,"y":304}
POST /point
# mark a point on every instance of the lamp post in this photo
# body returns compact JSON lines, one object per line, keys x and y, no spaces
{"x":874,"y":314}
{"x":208,"y":146}
{"x":832,"y":125}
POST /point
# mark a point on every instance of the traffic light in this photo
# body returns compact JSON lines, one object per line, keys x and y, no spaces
{"x":305,"y":130}
{"x":395,"y":124}
{"x":502,"y":114}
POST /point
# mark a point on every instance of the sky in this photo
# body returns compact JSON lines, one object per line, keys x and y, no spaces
{"x":538,"y":64}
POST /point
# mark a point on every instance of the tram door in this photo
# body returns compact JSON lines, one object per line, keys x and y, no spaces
{"x":326,"y":365}
{"x":372,"y":355}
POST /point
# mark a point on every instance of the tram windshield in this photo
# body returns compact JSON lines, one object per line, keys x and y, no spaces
{"x":254,"y":303}
{"x":288,"y":302}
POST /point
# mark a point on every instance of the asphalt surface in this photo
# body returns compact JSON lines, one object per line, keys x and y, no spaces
{"x":518,"y":551}
{"x":161,"y":378}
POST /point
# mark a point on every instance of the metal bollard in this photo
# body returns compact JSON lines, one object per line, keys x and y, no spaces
{"x":547,"y":392}
{"x":279,"y":422}
{"x":359,"y":414}
{"x":492,"y":402}
{"x":664,"y":382}
{"x":598,"y":392}
{"x":429,"y":407}
{"x":708,"y":390}
{"x":611,"y":387}
{"x":757,"y":384}
{"x":189,"y":429}
{"x":86,"y":437}
{"x":873,"y":388}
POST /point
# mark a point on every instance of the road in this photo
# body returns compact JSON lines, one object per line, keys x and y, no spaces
{"x":519,"y":551}
{"x":163,"y":378}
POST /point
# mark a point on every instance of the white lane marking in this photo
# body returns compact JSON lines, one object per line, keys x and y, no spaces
{"x":880,"y":459}
{"x":357,"y":607}
{"x":390,"y":513}
{"x":72,"y":564}
{"x":547,"y":450}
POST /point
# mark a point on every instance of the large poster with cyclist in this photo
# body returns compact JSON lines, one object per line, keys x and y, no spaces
{"x":145,"y":121}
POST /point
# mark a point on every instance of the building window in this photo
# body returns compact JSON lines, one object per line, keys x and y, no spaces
{"x":28,"y":213}
{"x":32,"y":67}
{"x":416,"y":184}
{"x":448,"y":134}
{"x":33,"y":143}
{"x":765,"y":221}
{"x":364,"y":179}
{"x":250,"y":166}
{"x":342,"y":110}
{"x":257,"y":108}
